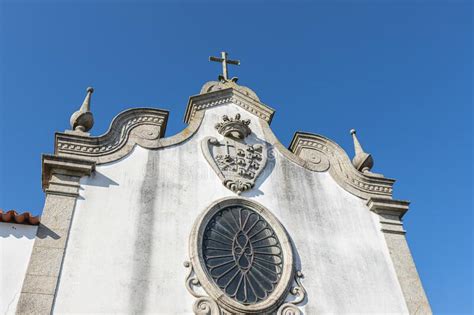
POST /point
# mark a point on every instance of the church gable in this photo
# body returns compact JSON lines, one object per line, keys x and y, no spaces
{"x":146,"y":127}
{"x":259,"y":228}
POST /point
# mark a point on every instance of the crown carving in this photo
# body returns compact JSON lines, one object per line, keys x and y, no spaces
{"x":234,"y":127}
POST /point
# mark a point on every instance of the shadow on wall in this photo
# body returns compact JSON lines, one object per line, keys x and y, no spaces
{"x":28,"y":231}
{"x":45,"y":232}
{"x":97,"y":179}
{"x":100,"y":180}
{"x":17,"y":230}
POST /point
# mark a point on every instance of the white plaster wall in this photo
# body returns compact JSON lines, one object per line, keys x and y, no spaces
{"x":16,"y":243}
{"x":129,"y":235}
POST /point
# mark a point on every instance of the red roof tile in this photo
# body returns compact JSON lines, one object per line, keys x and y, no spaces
{"x":12,"y":216}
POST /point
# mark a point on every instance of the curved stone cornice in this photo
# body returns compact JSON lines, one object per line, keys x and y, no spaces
{"x":143,"y":126}
{"x":225,"y":96}
{"x":317,"y":151}
{"x":146,"y":127}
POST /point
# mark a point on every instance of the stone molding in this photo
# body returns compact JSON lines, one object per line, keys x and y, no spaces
{"x":229,"y":95}
{"x":146,"y":127}
{"x":390,"y":214}
{"x":62,"y":167}
{"x":311,"y":151}
{"x":142,"y":126}
{"x":215,"y":295}
{"x":321,"y":154}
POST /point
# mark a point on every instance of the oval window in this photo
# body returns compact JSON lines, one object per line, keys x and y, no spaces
{"x":242,"y":254}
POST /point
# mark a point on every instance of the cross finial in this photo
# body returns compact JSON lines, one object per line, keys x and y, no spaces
{"x":223,"y":59}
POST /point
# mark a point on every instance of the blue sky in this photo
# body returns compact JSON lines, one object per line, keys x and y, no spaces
{"x":400,"y":72}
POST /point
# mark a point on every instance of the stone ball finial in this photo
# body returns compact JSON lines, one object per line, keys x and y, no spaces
{"x":353,"y":131}
{"x":83,"y":120}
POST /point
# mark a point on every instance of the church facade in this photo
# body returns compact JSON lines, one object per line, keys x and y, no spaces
{"x":218,"y":219}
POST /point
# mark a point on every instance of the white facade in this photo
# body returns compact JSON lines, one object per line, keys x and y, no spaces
{"x":16,"y":243}
{"x":135,"y":216}
{"x":123,"y":209}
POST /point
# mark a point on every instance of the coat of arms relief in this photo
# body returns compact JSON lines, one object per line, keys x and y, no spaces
{"x":237,"y":163}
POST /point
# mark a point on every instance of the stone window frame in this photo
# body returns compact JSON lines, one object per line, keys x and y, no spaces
{"x":276,"y":298}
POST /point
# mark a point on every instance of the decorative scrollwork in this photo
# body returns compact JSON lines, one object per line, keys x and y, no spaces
{"x":290,"y":308}
{"x":140,"y":125}
{"x":298,"y":290}
{"x":203,"y":305}
{"x":323,"y":154}
{"x":191,"y":280}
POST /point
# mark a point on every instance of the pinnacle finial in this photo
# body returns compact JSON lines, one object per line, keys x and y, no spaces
{"x":82,"y":120}
{"x":362,"y":161}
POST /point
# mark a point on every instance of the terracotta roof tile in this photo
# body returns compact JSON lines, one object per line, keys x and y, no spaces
{"x":12,"y":216}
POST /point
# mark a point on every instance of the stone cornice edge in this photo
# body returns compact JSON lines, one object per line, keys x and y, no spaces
{"x":64,"y":165}
{"x":393,"y":207}
{"x":201,"y":102}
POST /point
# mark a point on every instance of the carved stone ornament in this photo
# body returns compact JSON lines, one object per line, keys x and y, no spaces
{"x":321,"y":154}
{"x":241,"y":257}
{"x":203,"y":304}
{"x":299,"y":292}
{"x":142,"y":126}
{"x":237,"y":163}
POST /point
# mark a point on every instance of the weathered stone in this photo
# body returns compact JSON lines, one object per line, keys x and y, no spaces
{"x":37,"y":284}
{"x":59,"y":211}
{"x":31,"y":303}
{"x":45,"y":261}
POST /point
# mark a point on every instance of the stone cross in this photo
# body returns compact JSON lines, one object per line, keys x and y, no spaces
{"x":224,"y":62}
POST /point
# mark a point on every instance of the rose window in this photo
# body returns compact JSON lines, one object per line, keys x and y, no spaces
{"x":242,"y":254}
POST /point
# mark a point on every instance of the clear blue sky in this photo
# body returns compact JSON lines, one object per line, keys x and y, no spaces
{"x":398,"y":72}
